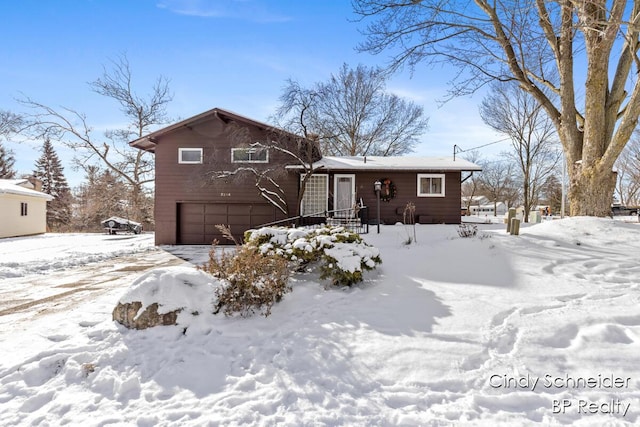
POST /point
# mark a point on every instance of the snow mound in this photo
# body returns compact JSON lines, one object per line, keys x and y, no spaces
{"x":174,"y":288}
{"x":588,"y":230}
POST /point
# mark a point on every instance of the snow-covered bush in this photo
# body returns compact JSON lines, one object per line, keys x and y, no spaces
{"x":467,"y":230}
{"x":342,"y":255}
{"x":251,"y":281}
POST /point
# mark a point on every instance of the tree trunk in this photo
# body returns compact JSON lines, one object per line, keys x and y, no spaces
{"x":591,"y":191}
{"x":527,"y":199}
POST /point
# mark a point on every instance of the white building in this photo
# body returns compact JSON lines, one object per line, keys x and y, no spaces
{"x":23,"y":210}
{"x":481,"y":205}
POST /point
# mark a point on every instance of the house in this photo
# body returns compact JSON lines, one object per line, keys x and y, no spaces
{"x":23,"y":209}
{"x":432,"y":184}
{"x":481,"y":205}
{"x":219,"y":167}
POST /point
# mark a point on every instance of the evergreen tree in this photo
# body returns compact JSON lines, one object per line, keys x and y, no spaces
{"x":6,"y":163}
{"x":49,"y":170}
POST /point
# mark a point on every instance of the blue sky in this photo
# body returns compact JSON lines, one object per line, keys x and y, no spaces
{"x":232,"y":54}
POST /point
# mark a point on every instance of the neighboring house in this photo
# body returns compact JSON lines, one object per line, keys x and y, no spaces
{"x":191,"y":198}
{"x":481,"y":205}
{"x":23,"y":210}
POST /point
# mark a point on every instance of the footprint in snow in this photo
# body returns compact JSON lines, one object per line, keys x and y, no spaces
{"x":628,"y":320}
{"x":505,"y":342}
{"x":562,"y":337}
{"x":88,"y":324}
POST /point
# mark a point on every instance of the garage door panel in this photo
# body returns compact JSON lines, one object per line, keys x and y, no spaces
{"x":215,"y":219}
{"x":191,"y":208}
{"x":197,"y":221}
{"x":239,"y":220}
{"x":192,"y":239}
{"x":215,"y":209}
{"x":239,"y":209}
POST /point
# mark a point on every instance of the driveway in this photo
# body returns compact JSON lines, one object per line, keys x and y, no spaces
{"x":24,"y":299}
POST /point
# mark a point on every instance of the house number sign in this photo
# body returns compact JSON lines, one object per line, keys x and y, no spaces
{"x":225,"y":194}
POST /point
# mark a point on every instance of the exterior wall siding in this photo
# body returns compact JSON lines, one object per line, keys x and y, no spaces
{"x":12,"y":224}
{"x":194,"y":183}
{"x":429,"y":210}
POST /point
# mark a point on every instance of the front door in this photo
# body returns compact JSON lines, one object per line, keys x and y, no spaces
{"x":344,"y":194}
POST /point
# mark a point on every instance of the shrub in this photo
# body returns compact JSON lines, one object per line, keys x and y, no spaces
{"x":342,"y":255}
{"x":252,"y":281}
{"x":409,"y":218}
{"x":467,"y":230}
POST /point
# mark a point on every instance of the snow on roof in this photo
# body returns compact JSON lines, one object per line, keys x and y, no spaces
{"x":12,"y":186}
{"x":394,"y":163}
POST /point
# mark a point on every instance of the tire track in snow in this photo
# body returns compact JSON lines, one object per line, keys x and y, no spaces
{"x":88,"y":281}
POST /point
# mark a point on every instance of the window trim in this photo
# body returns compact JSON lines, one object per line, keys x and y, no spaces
{"x":189,"y":162}
{"x":442,"y":176}
{"x":249,"y":149}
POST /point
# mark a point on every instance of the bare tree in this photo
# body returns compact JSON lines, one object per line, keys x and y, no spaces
{"x":10,"y":123}
{"x":352,"y":114}
{"x":111,"y":150}
{"x":497,"y":183}
{"x":98,"y":198}
{"x":469,"y":187}
{"x":552,"y":193}
{"x":594,"y":109}
{"x":518,"y":115}
{"x":628,"y":168}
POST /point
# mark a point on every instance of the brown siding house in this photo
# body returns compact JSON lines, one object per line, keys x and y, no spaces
{"x":222,"y":168}
{"x":432,"y":184}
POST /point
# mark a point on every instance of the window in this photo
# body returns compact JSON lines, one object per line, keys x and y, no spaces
{"x":190,"y":155}
{"x":23,"y":209}
{"x":316,"y":195}
{"x":430,"y":185}
{"x":249,"y":155}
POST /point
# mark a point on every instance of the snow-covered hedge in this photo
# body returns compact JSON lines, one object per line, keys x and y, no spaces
{"x":342,"y":255}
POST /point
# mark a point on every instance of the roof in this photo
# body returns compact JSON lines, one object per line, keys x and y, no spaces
{"x":12,"y":186}
{"x":396,"y":163}
{"x":148,"y":142}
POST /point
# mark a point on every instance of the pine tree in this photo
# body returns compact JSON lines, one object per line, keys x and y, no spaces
{"x":6,"y":163}
{"x":50,"y":171}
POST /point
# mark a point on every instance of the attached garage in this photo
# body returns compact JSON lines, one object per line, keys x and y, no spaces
{"x":197,"y":221}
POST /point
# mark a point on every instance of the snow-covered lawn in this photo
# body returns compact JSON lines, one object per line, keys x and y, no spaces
{"x":21,"y":256}
{"x":541,"y":328}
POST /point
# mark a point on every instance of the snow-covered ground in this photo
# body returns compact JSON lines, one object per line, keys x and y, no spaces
{"x":21,"y":256}
{"x":541,"y":328}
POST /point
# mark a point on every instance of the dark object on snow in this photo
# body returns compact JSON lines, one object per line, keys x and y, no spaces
{"x":115,"y":224}
{"x":624,"y":210}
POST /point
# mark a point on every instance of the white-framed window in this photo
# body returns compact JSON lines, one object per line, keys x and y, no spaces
{"x":316,"y":195}
{"x":23,"y":209}
{"x":190,"y":155}
{"x":249,"y":155}
{"x":431,"y":185}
